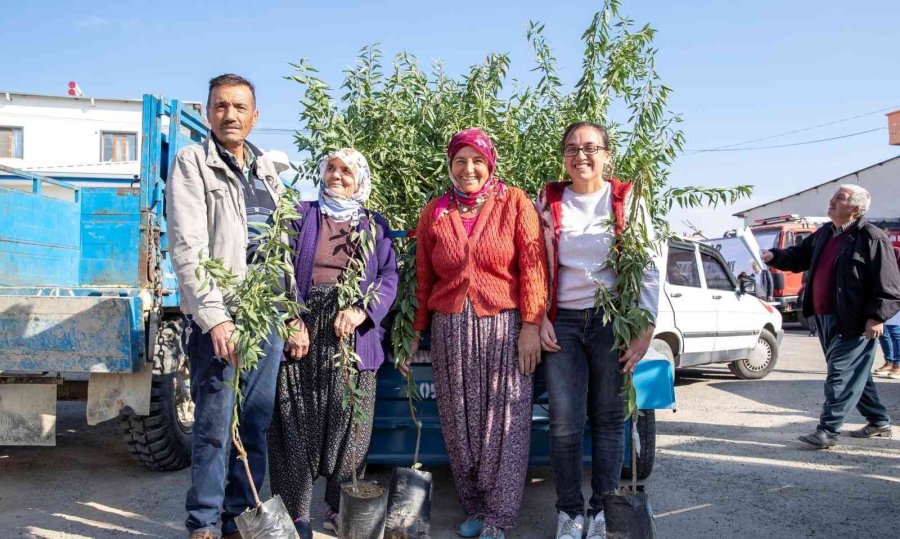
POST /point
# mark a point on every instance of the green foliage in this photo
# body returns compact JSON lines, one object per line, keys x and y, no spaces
{"x":401,"y":117}
{"x":263,"y":305}
{"x":351,"y":294}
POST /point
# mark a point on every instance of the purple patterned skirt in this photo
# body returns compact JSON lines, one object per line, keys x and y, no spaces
{"x":484,"y":404}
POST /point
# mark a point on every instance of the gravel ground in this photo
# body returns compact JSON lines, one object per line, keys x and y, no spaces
{"x":728,"y":465}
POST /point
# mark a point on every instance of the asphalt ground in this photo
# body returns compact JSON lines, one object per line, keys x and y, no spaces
{"x":728,"y":464}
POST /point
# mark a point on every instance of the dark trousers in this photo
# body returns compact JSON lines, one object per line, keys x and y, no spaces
{"x":218,"y":480}
{"x":849,"y":382}
{"x":584,"y":380}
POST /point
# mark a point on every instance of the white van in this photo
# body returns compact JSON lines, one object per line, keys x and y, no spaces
{"x":706,"y":316}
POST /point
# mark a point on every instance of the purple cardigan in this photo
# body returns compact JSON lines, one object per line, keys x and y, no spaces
{"x":381,"y":268}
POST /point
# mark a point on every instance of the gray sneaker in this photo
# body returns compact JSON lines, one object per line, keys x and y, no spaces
{"x":597,"y":527}
{"x":568,"y":527}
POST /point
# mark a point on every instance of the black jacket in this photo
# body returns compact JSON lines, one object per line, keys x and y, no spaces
{"x":867,"y":280}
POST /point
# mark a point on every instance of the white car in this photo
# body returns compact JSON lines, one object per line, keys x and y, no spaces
{"x":706,"y":316}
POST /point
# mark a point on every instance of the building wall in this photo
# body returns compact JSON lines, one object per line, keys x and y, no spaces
{"x":882,"y":181}
{"x":62,"y":135}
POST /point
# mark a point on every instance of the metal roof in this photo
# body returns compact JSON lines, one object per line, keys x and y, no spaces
{"x":743,"y":213}
{"x":7,"y":96}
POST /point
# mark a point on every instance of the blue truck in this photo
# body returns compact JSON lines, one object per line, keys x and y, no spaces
{"x":89,"y":309}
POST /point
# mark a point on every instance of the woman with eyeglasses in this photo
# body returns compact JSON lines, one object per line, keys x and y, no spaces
{"x":581,"y":219}
{"x":482,"y":290}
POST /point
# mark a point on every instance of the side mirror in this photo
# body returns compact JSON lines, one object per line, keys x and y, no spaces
{"x":748,"y":285}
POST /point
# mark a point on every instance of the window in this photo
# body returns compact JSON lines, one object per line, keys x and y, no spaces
{"x":768,"y":239}
{"x":800,"y":236}
{"x":10,"y":142}
{"x":118,"y":146}
{"x":681,"y":268}
{"x":717,"y":275}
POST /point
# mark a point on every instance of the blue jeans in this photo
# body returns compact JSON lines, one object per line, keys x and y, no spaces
{"x":849,"y":380}
{"x":218,"y":480}
{"x":890,"y":343}
{"x":584,"y":380}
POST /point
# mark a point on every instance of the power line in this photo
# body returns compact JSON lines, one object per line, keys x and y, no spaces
{"x":798,"y":130}
{"x":792,"y":144}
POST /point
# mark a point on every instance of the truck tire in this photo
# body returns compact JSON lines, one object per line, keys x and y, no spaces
{"x":762,"y":359}
{"x":647,"y":456}
{"x":161,"y":441}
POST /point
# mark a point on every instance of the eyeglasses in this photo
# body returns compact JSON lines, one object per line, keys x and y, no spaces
{"x":572,"y":151}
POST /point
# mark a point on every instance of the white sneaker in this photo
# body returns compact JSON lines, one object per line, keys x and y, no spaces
{"x":568,"y":527}
{"x":597,"y":527}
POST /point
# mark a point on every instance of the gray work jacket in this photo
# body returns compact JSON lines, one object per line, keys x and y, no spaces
{"x":206,"y":214}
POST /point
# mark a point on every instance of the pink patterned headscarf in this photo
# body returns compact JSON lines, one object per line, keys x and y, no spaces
{"x":478,"y":140}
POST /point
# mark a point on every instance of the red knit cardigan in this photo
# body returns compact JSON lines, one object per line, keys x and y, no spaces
{"x":501,"y":266}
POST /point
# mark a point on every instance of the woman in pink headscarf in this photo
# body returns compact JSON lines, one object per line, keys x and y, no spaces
{"x":482,"y":289}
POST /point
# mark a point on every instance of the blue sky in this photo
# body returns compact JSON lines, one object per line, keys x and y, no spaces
{"x":739,"y":71}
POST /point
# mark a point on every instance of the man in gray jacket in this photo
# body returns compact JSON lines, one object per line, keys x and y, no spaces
{"x":217,"y":193}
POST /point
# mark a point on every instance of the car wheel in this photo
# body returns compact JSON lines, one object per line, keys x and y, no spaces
{"x":761,"y":361}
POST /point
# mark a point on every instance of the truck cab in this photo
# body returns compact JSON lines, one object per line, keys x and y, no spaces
{"x":781,"y":232}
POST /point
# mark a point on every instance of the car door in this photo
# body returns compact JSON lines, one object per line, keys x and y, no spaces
{"x":736,"y":327}
{"x":695,"y":315}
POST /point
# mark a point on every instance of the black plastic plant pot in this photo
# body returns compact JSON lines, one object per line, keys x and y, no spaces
{"x":362,"y":510}
{"x":409,"y":505}
{"x":268,"y":520}
{"x":628,"y":514}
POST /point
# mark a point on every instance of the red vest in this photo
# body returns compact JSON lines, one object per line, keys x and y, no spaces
{"x":552,"y":202}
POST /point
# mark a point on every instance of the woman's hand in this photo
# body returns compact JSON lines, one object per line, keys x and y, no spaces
{"x":529,"y":348}
{"x":548,"y":336}
{"x":297,"y":344}
{"x":636,"y":350}
{"x":403,"y":366}
{"x":347,"y":321}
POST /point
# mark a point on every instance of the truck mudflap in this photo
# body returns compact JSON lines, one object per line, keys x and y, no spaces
{"x":96,"y":334}
{"x":28,"y":414}
{"x":110,"y":394}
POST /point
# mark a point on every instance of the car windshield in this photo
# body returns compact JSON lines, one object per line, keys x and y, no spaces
{"x":767,"y":239}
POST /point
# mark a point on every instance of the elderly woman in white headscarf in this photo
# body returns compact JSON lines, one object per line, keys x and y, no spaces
{"x":309,"y":432}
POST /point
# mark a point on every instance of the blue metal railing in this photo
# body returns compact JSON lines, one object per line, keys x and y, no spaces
{"x":38,"y":180}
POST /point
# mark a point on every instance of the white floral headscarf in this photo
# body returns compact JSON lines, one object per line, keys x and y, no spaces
{"x":341,"y":208}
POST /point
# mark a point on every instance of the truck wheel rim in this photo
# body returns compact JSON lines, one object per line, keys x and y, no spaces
{"x":760,"y":356}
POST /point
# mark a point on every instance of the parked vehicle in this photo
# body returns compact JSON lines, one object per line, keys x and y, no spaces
{"x":89,"y":309}
{"x":89,"y":302}
{"x":778,"y":233}
{"x":706,"y":316}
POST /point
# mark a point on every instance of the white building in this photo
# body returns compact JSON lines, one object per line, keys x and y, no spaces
{"x":69,"y":137}
{"x":882,"y":180}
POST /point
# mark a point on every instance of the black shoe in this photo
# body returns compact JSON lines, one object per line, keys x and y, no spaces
{"x":872,"y":431}
{"x":819,"y":439}
{"x":304,"y":529}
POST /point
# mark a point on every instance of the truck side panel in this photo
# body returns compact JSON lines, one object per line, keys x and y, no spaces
{"x":110,"y":233}
{"x":39,"y":239}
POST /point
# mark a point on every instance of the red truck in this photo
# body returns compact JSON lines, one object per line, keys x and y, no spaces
{"x":777,"y":233}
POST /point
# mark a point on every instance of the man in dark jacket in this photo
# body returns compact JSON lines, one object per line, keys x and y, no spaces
{"x":853,"y":287}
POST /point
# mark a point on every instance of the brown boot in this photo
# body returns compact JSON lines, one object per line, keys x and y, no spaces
{"x":203,"y":534}
{"x":894,"y":373}
{"x":884,"y":369}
